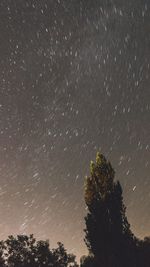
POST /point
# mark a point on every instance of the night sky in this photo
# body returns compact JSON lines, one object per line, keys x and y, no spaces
{"x":74,"y":80}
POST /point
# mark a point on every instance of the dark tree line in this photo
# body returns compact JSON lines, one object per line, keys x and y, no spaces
{"x":25,"y":251}
{"x":108,"y":235}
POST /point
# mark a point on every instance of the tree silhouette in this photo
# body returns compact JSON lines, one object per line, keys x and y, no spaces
{"x":143,"y":252}
{"x":62,"y":258}
{"x":2,"y":254}
{"x":25,"y":251}
{"x":87,"y":261}
{"x":107,"y":234}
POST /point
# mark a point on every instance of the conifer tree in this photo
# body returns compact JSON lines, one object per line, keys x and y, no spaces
{"x":107,"y":234}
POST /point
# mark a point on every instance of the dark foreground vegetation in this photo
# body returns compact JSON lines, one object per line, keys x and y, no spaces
{"x":25,"y":251}
{"x":108,"y":236}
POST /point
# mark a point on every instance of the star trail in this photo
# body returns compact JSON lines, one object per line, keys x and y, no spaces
{"x":74,"y":80}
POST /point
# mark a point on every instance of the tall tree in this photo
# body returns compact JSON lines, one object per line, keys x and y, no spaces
{"x":107,"y":234}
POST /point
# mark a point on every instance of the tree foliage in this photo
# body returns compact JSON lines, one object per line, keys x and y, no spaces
{"x":107,"y":234}
{"x":25,"y":251}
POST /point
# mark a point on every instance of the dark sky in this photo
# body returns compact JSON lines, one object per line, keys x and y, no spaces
{"x":74,"y":80}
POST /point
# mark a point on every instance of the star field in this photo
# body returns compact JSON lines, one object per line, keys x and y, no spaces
{"x":74,"y":80}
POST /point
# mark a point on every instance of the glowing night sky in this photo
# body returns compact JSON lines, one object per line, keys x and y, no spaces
{"x":74,"y":80}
